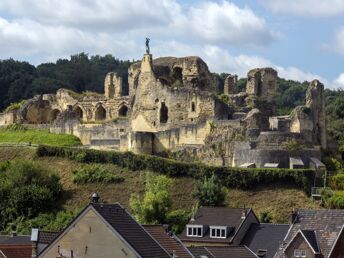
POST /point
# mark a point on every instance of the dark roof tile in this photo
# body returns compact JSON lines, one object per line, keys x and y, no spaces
{"x":131,"y":231}
{"x":222,"y":252}
{"x":265,"y":237}
{"x":312,"y":239}
{"x":46,"y":237}
{"x":167,"y":240}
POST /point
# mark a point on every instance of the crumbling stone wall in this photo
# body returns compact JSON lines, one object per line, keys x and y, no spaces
{"x":113,"y":85}
{"x":230,"y":85}
{"x":315,"y":100}
{"x":262,"y":82}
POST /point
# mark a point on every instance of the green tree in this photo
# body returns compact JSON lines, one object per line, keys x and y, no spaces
{"x":210,"y":192}
{"x":156,"y":202}
{"x":26,"y":189}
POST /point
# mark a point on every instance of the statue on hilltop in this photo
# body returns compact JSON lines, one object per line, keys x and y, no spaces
{"x":147,"y":45}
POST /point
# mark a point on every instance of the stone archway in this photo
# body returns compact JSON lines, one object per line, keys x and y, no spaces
{"x":79,"y":112}
{"x":123,"y":111}
{"x":100,"y":113}
{"x":53,"y":114}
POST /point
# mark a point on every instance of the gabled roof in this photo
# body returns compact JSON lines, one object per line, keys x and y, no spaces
{"x":327,"y":225}
{"x":168,"y":240}
{"x":265,"y":237}
{"x":16,"y":251}
{"x":222,"y":252}
{"x":46,"y":237}
{"x":311,"y":238}
{"x":217,"y":216}
{"x":124,"y":225}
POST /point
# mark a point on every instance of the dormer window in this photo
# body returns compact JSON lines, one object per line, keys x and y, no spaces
{"x":218,"y":232}
{"x":194,"y":230}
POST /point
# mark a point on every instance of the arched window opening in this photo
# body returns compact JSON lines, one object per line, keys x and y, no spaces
{"x":177,"y":74}
{"x":193,"y":107}
{"x":53,"y":115}
{"x":163,"y":113}
{"x":123,"y":111}
{"x":79,"y":112}
{"x":100,"y":113}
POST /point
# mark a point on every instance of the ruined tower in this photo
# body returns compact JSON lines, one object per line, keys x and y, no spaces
{"x":230,"y":85}
{"x":315,"y":101}
{"x":113,"y":85}
{"x":262,"y":82}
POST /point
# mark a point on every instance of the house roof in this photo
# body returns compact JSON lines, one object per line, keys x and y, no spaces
{"x":167,"y":240}
{"x":311,"y":239}
{"x":216,"y":216}
{"x":222,"y":252}
{"x":326,"y":224}
{"x":126,"y":226}
{"x":16,"y":251}
{"x":119,"y":218}
{"x":46,"y":237}
{"x":265,"y":237}
{"x":15,"y":240}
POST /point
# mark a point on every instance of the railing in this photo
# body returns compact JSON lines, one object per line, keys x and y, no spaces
{"x":316,"y":191}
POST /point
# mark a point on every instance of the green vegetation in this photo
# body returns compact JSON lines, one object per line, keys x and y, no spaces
{"x":210,"y":192}
{"x":80,"y":73}
{"x":293,"y":145}
{"x":26,"y":189}
{"x":14,"y":106}
{"x":278,"y":199}
{"x":230,"y":177}
{"x":95,"y":173}
{"x":19,"y":134}
{"x":156,"y":202}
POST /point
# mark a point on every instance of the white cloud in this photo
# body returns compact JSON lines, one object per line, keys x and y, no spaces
{"x":339,"y":41}
{"x":311,"y":8}
{"x":227,"y":23}
{"x":339,"y":81}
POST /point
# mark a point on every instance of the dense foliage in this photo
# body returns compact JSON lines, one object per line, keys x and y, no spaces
{"x":231,"y":177}
{"x":21,"y":80}
{"x":156,"y":202}
{"x":95,"y":173}
{"x":210,"y":192}
{"x":26,"y":190}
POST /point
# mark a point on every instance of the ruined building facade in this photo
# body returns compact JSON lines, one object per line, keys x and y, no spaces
{"x":174,"y":106}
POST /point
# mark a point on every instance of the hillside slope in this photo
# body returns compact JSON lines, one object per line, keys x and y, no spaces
{"x":277,"y":199}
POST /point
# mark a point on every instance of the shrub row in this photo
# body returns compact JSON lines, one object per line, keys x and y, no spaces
{"x":231,"y":177}
{"x":95,"y":173}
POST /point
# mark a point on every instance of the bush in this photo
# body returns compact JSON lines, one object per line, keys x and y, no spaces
{"x":332,"y":164}
{"x":95,"y":174}
{"x":210,"y":192}
{"x":177,"y":219}
{"x":334,"y":200}
{"x":26,"y":189}
{"x":243,"y":178}
{"x":156,"y":203}
{"x":15,"y":106}
{"x":265,"y":217}
{"x":337,"y":182}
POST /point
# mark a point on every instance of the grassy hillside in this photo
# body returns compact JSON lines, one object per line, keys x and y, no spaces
{"x":34,"y":136}
{"x":278,"y":200}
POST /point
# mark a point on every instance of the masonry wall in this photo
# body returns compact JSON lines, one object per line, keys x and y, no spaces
{"x":298,"y":243}
{"x":88,"y":238}
{"x":245,"y":152}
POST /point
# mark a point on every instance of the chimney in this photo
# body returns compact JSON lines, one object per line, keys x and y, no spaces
{"x":34,"y":240}
{"x":244,"y":213}
{"x":95,"y":198}
{"x":13,"y":234}
{"x":293,"y":216}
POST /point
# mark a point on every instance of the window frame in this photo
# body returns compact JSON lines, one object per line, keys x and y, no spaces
{"x":192,"y":227}
{"x":215,"y":228}
{"x":300,"y":253}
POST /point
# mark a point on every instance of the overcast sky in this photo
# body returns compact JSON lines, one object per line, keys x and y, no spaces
{"x":302,"y":39}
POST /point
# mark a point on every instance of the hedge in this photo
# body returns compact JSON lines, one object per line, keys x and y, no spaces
{"x":243,"y":178}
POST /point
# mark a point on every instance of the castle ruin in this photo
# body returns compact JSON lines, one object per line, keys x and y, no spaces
{"x":173,"y":108}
